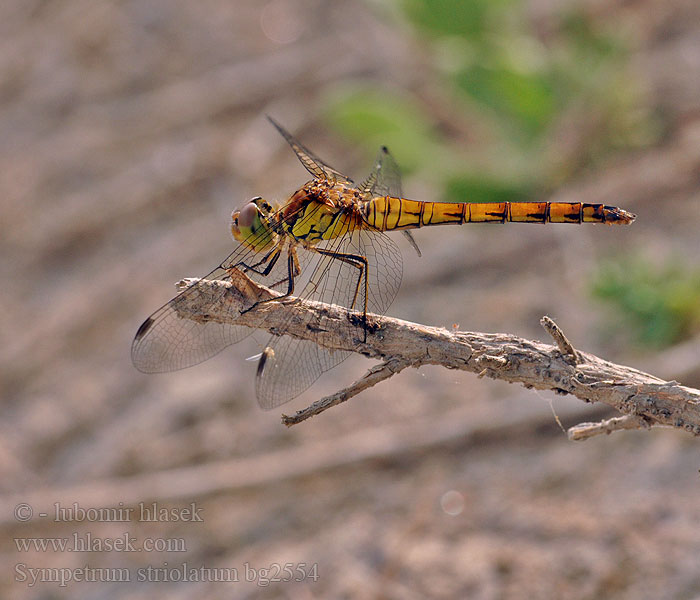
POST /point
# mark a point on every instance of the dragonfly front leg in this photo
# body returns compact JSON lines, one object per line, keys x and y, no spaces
{"x":293,"y":270}
{"x":270,"y":258}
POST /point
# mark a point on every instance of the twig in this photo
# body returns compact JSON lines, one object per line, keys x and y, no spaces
{"x":560,"y":339}
{"x":372,"y":377}
{"x":499,"y":356}
{"x":584,"y":431}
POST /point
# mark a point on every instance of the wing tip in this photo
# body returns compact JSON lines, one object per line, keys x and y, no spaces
{"x":281,"y":130}
{"x":137,"y":354}
{"x":143,"y":329}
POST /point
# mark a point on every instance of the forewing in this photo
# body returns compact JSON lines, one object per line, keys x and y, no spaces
{"x":313,"y":164}
{"x":290,"y":365}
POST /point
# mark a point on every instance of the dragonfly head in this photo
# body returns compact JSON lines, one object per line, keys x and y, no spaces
{"x":250,"y":225}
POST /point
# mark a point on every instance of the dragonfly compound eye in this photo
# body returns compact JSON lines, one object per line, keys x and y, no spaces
{"x":243,"y":220}
{"x":248,"y":215}
{"x":249,"y":228}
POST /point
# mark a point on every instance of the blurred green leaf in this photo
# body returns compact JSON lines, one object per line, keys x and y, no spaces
{"x":372,"y":119}
{"x":466,"y":18}
{"x":480,"y":188}
{"x":660,"y":305}
{"x":588,"y":42}
{"x":524,"y":100}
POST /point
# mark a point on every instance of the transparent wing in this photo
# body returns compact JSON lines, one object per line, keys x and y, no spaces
{"x":312,"y":163}
{"x":167,"y":341}
{"x":385,"y":180}
{"x":290,"y":365}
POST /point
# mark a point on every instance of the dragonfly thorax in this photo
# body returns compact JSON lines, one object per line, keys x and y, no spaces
{"x":321,"y":210}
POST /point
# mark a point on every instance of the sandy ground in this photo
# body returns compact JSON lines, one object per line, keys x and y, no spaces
{"x":128,"y":132}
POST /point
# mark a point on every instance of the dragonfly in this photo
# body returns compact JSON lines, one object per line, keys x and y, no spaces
{"x":326,"y":243}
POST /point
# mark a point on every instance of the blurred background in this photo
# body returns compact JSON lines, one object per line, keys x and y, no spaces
{"x":131,"y":129}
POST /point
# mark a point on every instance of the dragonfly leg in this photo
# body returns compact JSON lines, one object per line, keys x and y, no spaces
{"x":293,"y":269}
{"x":359,"y":262}
{"x":270,"y":258}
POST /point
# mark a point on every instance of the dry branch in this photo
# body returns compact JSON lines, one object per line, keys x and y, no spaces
{"x":398,"y":344}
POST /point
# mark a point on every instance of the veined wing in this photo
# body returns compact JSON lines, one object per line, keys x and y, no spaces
{"x":385,"y":180}
{"x":290,"y":365}
{"x":312,"y":163}
{"x":167,"y":341}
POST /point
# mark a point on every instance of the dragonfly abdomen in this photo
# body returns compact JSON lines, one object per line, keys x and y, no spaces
{"x":387,"y":213}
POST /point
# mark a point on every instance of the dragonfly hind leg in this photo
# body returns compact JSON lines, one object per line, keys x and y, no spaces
{"x":361,"y":264}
